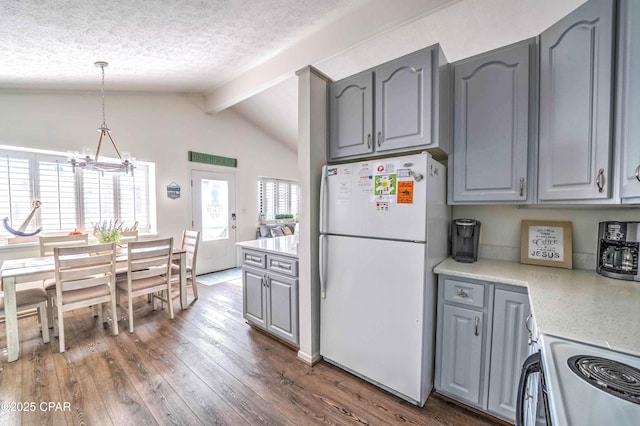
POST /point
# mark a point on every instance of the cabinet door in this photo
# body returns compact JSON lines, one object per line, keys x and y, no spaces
{"x":576,"y":62}
{"x":351,"y":116}
{"x":254,"y":303}
{"x":628,"y":124}
{"x":462,"y":342}
{"x":509,"y":349}
{"x":282,"y":301}
{"x":493,"y":125}
{"x":403,"y":102}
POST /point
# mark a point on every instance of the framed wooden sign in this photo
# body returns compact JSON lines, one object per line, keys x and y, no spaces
{"x":546,"y":243}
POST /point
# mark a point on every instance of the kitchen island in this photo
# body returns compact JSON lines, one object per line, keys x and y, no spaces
{"x":270,"y":286}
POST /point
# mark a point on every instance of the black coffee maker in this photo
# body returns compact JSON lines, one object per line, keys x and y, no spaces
{"x":465,"y":236}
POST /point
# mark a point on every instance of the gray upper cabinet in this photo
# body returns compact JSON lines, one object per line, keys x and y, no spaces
{"x":494,"y":126}
{"x":351,"y":116}
{"x":628,"y":94}
{"x":576,"y":63}
{"x":409,"y":99}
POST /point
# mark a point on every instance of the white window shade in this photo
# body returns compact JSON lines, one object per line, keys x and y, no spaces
{"x":70,"y":200}
{"x":58,"y":194}
{"x":277,"y":197}
{"x":15,"y":191}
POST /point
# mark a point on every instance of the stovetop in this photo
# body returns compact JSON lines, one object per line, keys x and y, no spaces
{"x":589,"y":385}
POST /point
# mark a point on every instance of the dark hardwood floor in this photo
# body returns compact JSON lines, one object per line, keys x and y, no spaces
{"x":205,"y":367}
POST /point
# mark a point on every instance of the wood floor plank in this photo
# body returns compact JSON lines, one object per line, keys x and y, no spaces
{"x":207,"y":366}
{"x":262,"y":379}
{"x":247,"y":404}
{"x":42,"y":392}
{"x":122,"y":401}
{"x":77,"y":383}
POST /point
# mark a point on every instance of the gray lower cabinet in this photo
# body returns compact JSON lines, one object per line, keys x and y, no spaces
{"x":270,"y":295}
{"x":628,"y":96}
{"x":398,"y":106}
{"x":462,"y":346}
{"x":576,"y":65}
{"x":495,"y":125}
{"x":509,"y":349}
{"x":481,"y":343}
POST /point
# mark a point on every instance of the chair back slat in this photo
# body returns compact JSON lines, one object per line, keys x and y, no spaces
{"x":82,"y":283}
{"x":149,"y":253}
{"x":127,"y":237}
{"x":70,"y":273}
{"x":47,"y":244}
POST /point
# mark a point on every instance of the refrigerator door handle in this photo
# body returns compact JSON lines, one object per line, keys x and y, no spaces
{"x":323,"y":284}
{"x":322,"y":198}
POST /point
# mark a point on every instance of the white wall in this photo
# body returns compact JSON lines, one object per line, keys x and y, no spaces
{"x":156,"y":128}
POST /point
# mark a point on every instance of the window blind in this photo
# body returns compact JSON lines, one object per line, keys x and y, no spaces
{"x":277,"y":196}
{"x":70,"y":200}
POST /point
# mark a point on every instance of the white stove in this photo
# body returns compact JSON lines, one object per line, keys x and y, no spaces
{"x":589,"y":385}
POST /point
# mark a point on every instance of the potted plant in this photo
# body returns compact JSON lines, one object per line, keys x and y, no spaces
{"x":108,"y":232}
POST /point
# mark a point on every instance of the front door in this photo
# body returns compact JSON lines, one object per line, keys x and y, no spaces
{"x":214,"y":206}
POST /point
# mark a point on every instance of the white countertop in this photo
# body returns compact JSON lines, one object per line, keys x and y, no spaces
{"x":574,"y":304}
{"x":285,"y":246}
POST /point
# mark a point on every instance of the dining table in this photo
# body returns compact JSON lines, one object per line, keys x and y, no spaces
{"x":15,"y":272}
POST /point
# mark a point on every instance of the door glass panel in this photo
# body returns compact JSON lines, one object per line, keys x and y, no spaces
{"x":215,"y":210}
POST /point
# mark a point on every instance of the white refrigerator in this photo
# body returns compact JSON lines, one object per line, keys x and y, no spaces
{"x":383,"y":227}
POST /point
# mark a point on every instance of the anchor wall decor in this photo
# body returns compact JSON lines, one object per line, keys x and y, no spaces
{"x":35,"y":205}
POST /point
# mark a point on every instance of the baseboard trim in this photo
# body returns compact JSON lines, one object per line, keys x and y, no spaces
{"x":308,"y":359}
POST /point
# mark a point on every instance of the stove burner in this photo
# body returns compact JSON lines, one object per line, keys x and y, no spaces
{"x":615,"y":378}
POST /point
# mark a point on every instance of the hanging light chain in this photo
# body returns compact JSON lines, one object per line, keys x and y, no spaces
{"x":102,"y":65}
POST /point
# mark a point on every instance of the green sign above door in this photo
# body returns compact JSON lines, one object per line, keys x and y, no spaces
{"x":216,"y":160}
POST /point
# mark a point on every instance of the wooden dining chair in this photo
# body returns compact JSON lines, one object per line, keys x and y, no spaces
{"x":85,"y":276}
{"x":128,"y":236}
{"x":190,"y":243}
{"x":28,"y":299}
{"x":47,"y":244}
{"x":148,"y":272}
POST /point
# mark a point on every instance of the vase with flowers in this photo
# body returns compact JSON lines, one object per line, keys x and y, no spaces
{"x":108,"y":232}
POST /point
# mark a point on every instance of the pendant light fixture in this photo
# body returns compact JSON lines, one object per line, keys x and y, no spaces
{"x":85,"y":160}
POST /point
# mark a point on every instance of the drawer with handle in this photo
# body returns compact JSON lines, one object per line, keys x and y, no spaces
{"x":466,"y":293}
{"x":254,"y":258}
{"x":282,"y":265}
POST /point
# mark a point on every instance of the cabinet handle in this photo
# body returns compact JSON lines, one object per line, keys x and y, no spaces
{"x":530,"y":340}
{"x":369,"y":140}
{"x":286,"y":266}
{"x":264,"y":279}
{"x":379,"y":137}
{"x":462,"y":293}
{"x":526,"y":323}
{"x":476,"y":326}
{"x":268,"y":281}
{"x":521,"y":186}
{"x":600,"y":181}
{"x":638,"y":173}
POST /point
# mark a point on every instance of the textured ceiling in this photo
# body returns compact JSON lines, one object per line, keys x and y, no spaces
{"x":155,"y":45}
